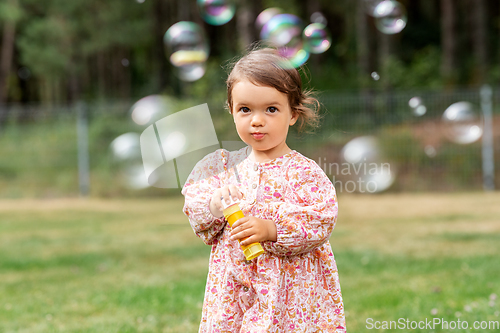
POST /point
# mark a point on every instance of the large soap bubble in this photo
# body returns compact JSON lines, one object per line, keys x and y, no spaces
{"x":150,"y":109}
{"x":216,"y":12}
{"x":366,"y":165}
{"x":390,"y":17}
{"x":126,"y":153}
{"x":265,"y":16}
{"x":370,"y":5}
{"x":462,"y":123}
{"x":284,"y":31}
{"x":188,"y":49}
{"x":317,"y":38}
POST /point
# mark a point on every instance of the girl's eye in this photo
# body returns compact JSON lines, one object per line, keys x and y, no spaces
{"x":244,"y":109}
{"x":272,"y":109}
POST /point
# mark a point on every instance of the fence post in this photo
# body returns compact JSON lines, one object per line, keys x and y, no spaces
{"x":83,"y":148}
{"x":487,"y":149}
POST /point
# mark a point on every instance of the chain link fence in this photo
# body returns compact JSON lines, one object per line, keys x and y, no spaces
{"x":39,"y":145}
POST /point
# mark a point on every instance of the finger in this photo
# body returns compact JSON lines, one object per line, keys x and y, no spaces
{"x":249,"y":240}
{"x":239,"y":222}
{"x":239,"y":230}
{"x":224,"y":194}
{"x":241,"y":234}
{"x":234,"y":192}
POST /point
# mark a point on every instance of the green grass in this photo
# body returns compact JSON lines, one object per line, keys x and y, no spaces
{"x":72,"y":265}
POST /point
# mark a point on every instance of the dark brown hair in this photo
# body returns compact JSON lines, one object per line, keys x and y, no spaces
{"x":266,"y":67}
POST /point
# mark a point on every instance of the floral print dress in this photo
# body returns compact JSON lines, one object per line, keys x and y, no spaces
{"x":292,"y":287}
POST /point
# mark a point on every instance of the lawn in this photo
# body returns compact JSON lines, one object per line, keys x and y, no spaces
{"x":77,"y":265}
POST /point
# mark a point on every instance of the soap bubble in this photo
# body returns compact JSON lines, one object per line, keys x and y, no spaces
{"x":265,"y":16}
{"x":24,"y":73}
{"x":370,"y":5}
{"x":417,"y":106}
{"x":462,"y":123}
{"x":150,"y":108}
{"x":318,"y":17}
{"x":317,"y":38}
{"x":375,"y":76}
{"x":188,"y":49}
{"x":368,"y":167}
{"x":126,"y":152}
{"x":216,"y":12}
{"x":430,"y":151}
{"x":284,"y":31}
{"x":390,"y":17}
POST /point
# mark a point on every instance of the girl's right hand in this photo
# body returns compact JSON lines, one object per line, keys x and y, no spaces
{"x":223,"y":193}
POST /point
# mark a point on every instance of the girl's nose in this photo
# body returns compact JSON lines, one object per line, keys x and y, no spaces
{"x":257,"y":120}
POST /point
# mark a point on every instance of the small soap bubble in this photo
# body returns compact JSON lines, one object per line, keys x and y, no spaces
{"x":318,"y":17}
{"x":317,"y":38}
{"x":493,"y":297}
{"x":125,"y":62}
{"x":375,"y":76}
{"x":149,"y":109}
{"x":414,"y":102}
{"x":284,"y":31}
{"x":390,"y":17}
{"x":216,"y":12}
{"x":140,"y":1}
{"x":188,"y":49}
{"x":468,"y":308}
{"x":462,"y":123}
{"x":430,"y":151}
{"x":434,"y":311}
{"x":417,"y":106}
{"x":24,"y":73}
{"x":369,"y":168}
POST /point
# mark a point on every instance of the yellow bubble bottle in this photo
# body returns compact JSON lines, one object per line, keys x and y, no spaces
{"x":233,"y":213}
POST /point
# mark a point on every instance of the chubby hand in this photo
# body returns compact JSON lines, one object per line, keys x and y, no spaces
{"x":223,"y":193}
{"x":251,"y":229}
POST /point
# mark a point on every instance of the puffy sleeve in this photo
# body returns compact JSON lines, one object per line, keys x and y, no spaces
{"x":206,"y":177}
{"x":307,"y":216}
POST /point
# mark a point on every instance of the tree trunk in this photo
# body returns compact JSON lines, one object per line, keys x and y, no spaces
{"x":244,"y":25}
{"x":448,"y":41}
{"x":8,"y":39}
{"x":479,"y":39}
{"x":363,"y":46}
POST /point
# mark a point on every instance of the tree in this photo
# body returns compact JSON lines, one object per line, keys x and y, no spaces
{"x":10,"y":14}
{"x":448,"y":41}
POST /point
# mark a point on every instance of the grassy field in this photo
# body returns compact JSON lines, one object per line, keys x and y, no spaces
{"x":136,"y":266}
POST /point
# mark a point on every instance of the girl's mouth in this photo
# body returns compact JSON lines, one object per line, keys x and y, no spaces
{"x":258,"y":136}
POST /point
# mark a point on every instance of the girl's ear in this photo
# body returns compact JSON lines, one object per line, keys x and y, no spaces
{"x":295,"y":116}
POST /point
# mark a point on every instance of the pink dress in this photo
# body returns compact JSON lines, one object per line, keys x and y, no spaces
{"x":292,"y":287}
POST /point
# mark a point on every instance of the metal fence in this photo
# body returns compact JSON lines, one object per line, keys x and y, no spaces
{"x":53,"y":151}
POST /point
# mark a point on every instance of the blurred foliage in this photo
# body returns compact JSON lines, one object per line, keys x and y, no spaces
{"x":114,"y":49}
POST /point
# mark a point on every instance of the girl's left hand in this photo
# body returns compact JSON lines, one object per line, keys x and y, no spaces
{"x":251,"y":229}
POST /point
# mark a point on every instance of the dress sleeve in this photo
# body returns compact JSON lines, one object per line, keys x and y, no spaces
{"x":306,"y":218}
{"x":205,"y":178}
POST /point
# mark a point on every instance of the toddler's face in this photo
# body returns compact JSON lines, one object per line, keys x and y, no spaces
{"x":262,"y":116}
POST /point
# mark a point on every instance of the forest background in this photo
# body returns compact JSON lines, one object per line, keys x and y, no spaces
{"x":110,"y":54}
